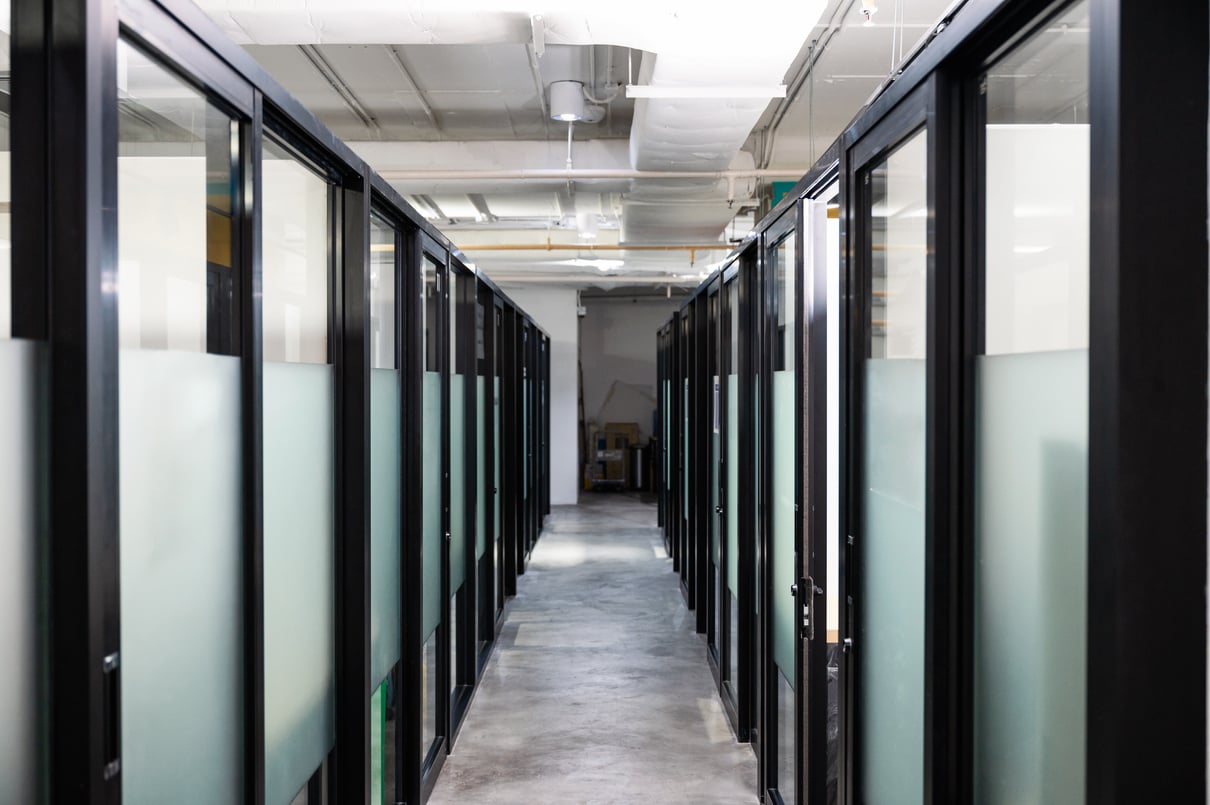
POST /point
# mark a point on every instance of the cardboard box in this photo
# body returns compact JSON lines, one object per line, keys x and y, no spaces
{"x":630,"y":430}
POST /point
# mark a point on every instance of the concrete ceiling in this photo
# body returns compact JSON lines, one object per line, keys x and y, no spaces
{"x":418,"y":111}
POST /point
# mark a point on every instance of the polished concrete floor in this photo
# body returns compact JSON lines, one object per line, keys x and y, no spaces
{"x":599,"y":691}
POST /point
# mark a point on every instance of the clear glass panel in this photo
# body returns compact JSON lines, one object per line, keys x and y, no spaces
{"x":785,"y":573}
{"x":432,"y":494}
{"x":822,"y":247}
{"x":6,"y":247}
{"x":296,"y":226}
{"x":890,"y":610}
{"x":299,"y":573}
{"x":731,"y":499}
{"x":23,"y":529}
{"x":1031,"y":431}
{"x":382,"y":294}
{"x":181,"y":480}
{"x":299,"y":484}
{"x":385,"y":460}
{"x":175,"y":186}
{"x":457,"y":481}
{"x":784,"y":457}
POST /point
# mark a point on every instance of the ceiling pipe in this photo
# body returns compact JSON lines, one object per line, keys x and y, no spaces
{"x":577,"y":174}
{"x":596,"y":247}
{"x":657,"y":280}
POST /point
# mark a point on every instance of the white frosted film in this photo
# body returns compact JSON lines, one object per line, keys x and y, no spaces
{"x":298,"y":575}
{"x":457,"y":482}
{"x":431,"y":501}
{"x":23,"y":376}
{"x":890,"y":637}
{"x":384,"y":521}
{"x":732,"y":504}
{"x":1031,"y":550}
{"x":482,"y":500}
{"x":181,"y":520}
{"x":784,"y":574}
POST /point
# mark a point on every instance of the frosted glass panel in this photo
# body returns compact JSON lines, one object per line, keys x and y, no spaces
{"x":384,"y":521}
{"x":1031,"y":576}
{"x":23,"y":466}
{"x":482,"y":499}
{"x":431,"y":516}
{"x":181,"y":520}
{"x":890,"y":639}
{"x":457,"y":482}
{"x":298,"y":555}
{"x":732,"y":505}
{"x":784,"y":574}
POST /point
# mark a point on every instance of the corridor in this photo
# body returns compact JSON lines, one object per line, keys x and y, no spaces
{"x":598,"y":691}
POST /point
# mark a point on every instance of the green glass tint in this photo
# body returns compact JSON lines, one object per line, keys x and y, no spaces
{"x":23,"y":524}
{"x":180,"y":444}
{"x":299,"y":473}
{"x":300,"y":640}
{"x":1031,"y":432}
{"x":890,"y":610}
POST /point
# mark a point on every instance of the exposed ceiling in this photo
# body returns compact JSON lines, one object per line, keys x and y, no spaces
{"x":449,"y":102}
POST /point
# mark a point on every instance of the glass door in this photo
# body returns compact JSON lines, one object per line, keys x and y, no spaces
{"x":714,"y":409}
{"x":1031,"y":404}
{"x":180,"y":442}
{"x":386,"y":484}
{"x":820,"y":660}
{"x":485,"y":493}
{"x":462,"y":486}
{"x":433,"y":533}
{"x":782,"y":544}
{"x":889,"y":369}
{"x":729,"y":494}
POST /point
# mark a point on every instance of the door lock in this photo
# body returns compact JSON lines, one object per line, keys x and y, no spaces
{"x":718,"y":509}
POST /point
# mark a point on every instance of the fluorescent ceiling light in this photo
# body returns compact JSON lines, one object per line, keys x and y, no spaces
{"x":715,"y":92}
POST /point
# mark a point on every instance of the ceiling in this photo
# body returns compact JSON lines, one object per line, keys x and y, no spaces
{"x":449,"y":103}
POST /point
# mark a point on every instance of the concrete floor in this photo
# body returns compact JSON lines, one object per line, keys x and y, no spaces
{"x":598,"y":691}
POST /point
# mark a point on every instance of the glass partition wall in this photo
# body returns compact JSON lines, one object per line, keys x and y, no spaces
{"x":433,"y":495}
{"x":386,"y":484}
{"x":1031,"y":418}
{"x":181,"y":485}
{"x":298,"y":221}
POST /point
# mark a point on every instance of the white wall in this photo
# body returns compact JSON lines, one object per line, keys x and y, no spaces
{"x":618,"y":351}
{"x":554,"y":309}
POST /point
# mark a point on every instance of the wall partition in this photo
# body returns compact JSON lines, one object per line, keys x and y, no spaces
{"x":960,"y":414}
{"x":299,"y":473}
{"x":181,"y":485}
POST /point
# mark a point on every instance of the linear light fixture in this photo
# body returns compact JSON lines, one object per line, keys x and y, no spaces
{"x":716,"y":92}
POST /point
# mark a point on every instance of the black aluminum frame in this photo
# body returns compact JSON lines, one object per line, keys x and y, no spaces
{"x":1147,"y":464}
{"x":65,"y":72}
